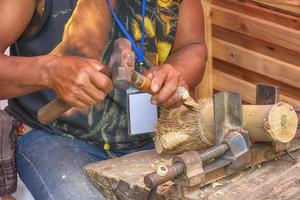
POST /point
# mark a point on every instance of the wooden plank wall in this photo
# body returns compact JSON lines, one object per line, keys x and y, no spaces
{"x":205,"y":88}
{"x":253,"y":41}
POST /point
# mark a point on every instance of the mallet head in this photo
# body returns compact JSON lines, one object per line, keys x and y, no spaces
{"x":122,"y":62}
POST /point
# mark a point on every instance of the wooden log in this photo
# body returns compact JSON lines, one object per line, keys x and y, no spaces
{"x":264,"y":123}
{"x":279,"y":122}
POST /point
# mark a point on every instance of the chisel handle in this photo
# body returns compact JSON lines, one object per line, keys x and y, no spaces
{"x":141,"y":82}
{"x":52,"y":111}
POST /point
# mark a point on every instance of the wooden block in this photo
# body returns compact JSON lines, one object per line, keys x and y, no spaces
{"x":121,"y":178}
{"x":256,"y":28}
{"x":257,"y":62}
{"x":273,"y":180}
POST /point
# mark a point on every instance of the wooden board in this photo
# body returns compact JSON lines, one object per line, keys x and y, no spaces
{"x":256,"y":27}
{"x":255,"y":78}
{"x":205,"y":88}
{"x":257,"y":62}
{"x":122,"y":178}
{"x":288,"y":6}
{"x":251,"y":8}
{"x":254,"y":43}
{"x":259,"y":46}
{"x":247,"y":90}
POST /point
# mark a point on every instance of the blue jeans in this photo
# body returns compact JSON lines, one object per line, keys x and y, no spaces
{"x":51,"y":166}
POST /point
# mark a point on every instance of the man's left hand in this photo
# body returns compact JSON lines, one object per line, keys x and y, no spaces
{"x":165,"y":81}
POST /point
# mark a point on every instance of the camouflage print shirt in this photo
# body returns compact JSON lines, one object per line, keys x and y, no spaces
{"x":106,"y":122}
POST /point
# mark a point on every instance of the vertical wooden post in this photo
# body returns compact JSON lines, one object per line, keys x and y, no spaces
{"x":205,"y":88}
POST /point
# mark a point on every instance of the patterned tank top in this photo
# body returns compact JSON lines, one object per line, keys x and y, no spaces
{"x":106,"y":122}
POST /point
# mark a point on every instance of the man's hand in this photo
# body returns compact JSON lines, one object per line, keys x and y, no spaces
{"x":165,"y":81}
{"x":77,"y":81}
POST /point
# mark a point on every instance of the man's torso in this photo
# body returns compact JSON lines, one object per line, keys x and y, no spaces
{"x":58,"y":32}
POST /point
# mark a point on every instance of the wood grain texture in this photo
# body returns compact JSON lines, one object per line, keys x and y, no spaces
{"x":255,"y":78}
{"x":291,"y":7}
{"x":256,"y":62}
{"x":255,"y":43}
{"x":118,"y":182}
{"x":257,"y":28}
{"x":205,"y":88}
{"x":249,"y":7}
{"x":259,"y":46}
{"x":226,"y":82}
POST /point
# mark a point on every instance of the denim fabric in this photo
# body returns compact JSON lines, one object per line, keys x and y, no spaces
{"x":51,"y":166}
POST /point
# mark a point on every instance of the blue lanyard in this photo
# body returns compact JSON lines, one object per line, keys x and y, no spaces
{"x":139,"y":52}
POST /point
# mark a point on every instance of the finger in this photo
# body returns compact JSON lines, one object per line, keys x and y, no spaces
{"x":73,"y":101}
{"x":149,"y":74}
{"x":158,"y":80}
{"x":183,"y":83}
{"x":79,"y":104}
{"x":173,"y":102}
{"x":101,"y":82}
{"x":167,"y":91}
{"x":94,"y":92}
{"x":98,"y":66}
{"x":86,"y":100}
{"x":78,"y":98}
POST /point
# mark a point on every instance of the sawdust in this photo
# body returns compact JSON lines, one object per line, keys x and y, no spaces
{"x":217,"y":184}
{"x":154,"y":165}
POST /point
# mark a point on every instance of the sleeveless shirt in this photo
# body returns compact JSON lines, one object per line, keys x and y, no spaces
{"x":106,"y":122}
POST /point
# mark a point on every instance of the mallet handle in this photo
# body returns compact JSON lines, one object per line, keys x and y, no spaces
{"x":52,"y":111}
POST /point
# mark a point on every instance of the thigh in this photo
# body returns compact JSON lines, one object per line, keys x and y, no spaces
{"x":51,"y":166}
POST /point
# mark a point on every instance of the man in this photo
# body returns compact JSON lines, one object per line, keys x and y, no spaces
{"x":59,"y":47}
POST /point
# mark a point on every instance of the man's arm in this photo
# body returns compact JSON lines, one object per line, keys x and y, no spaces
{"x":14,"y":18}
{"x":77,"y":81}
{"x":186,"y":63}
{"x":189,"y":53}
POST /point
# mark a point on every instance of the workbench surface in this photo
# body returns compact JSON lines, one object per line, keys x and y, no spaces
{"x":122,"y":178}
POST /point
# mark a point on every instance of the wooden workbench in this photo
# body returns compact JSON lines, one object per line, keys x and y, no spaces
{"x":122,"y":178}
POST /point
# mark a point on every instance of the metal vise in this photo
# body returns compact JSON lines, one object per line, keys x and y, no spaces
{"x":231,"y":150}
{"x":231,"y":153}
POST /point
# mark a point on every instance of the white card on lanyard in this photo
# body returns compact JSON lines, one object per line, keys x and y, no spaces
{"x":142,"y":115}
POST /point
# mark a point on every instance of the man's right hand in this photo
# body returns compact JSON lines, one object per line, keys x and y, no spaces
{"x":77,"y":81}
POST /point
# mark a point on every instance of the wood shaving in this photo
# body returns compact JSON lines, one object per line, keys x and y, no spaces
{"x":216,"y":184}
